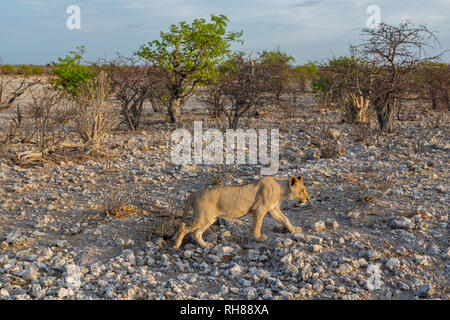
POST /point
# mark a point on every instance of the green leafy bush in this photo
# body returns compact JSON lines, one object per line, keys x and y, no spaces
{"x":24,"y":70}
{"x":70,"y":73}
{"x":36,"y":70}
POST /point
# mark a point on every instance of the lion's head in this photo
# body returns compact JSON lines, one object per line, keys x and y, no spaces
{"x":298,"y":190}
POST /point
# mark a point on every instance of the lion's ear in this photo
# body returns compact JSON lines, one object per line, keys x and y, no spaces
{"x":293,"y":181}
{"x":300,"y":178}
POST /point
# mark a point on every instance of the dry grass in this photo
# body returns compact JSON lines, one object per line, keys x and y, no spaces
{"x":117,"y":207}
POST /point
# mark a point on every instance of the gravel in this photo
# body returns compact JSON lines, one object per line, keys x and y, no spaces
{"x":376,"y":226}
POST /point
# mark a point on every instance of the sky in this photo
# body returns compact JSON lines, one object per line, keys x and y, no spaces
{"x":35,"y":31}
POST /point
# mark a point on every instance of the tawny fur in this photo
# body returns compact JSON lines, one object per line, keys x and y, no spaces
{"x":257,"y":198}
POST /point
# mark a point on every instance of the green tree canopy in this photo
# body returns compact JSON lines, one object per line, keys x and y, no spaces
{"x":189,"y":55}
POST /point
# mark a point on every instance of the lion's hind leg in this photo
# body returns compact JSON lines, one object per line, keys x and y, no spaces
{"x":199,"y":232}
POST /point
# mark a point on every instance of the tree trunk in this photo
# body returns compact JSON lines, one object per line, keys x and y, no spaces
{"x":175,"y":110}
{"x":386,"y":115}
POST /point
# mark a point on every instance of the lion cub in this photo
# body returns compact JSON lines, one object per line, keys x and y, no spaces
{"x":256,"y":198}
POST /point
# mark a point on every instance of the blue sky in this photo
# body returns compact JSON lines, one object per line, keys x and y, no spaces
{"x":34,"y":31}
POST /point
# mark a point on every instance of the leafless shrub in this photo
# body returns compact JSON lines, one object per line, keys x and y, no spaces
{"x":277,"y":64}
{"x":242,"y":86}
{"x":214,"y":100}
{"x":50,"y":112}
{"x":96,"y":113}
{"x":135,"y":82}
{"x":20,"y":128}
{"x":300,"y":80}
{"x":433,"y":84}
{"x":11,"y":88}
{"x":362,"y":133}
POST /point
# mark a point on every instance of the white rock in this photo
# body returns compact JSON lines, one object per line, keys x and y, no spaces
{"x":267,"y":296}
{"x":345,"y":268}
{"x":236,"y":270}
{"x":31,"y":273}
{"x":13,"y":236}
{"x":373,"y":269}
{"x":188,"y":253}
{"x":422,"y":260}
{"x":374,"y":282}
{"x":287,"y":259}
{"x":393,"y":264}
{"x":318,"y":226}
{"x":225,"y":250}
{"x":4,"y":293}
{"x":63,"y":293}
{"x":251,"y":294}
{"x":424,"y":291}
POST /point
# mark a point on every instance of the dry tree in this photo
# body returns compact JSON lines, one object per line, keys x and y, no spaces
{"x":95,"y":109}
{"x":135,"y":82}
{"x":394,"y":53}
{"x":51,"y":113}
{"x":242,"y":86}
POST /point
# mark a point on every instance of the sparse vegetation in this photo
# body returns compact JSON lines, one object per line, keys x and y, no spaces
{"x":96,"y":113}
{"x":370,"y":141}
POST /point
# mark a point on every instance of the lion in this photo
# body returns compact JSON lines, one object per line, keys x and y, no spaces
{"x":256,"y":198}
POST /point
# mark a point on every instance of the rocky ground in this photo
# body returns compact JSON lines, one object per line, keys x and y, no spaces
{"x":99,"y":227}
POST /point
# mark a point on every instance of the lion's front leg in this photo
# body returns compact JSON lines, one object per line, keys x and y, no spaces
{"x":278,"y":216}
{"x":258,"y":217}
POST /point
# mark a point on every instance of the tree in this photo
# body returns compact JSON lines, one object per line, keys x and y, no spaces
{"x":394,"y":53}
{"x":242,"y":84}
{"x":433,"y":83}
{"x":189,"y":55}
{"x":135,"y":82}
{"x":350,"y":81}
{"x":277,"y":63}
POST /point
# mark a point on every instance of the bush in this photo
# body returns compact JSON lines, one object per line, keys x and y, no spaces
{"x":242,"y":85}
{"x":189,"y":55}
{"x":8,"y":69}
{"x":36,"y":70}
{"x":345,"y":81}
{"x":277,"y":64}
{"x":95,"y":111}
{"x":50,"y":114}
{"x":24,"y":70}
{"x":135,"y":82}
{"x":70,"y":73}
{"x":299,"y":79}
